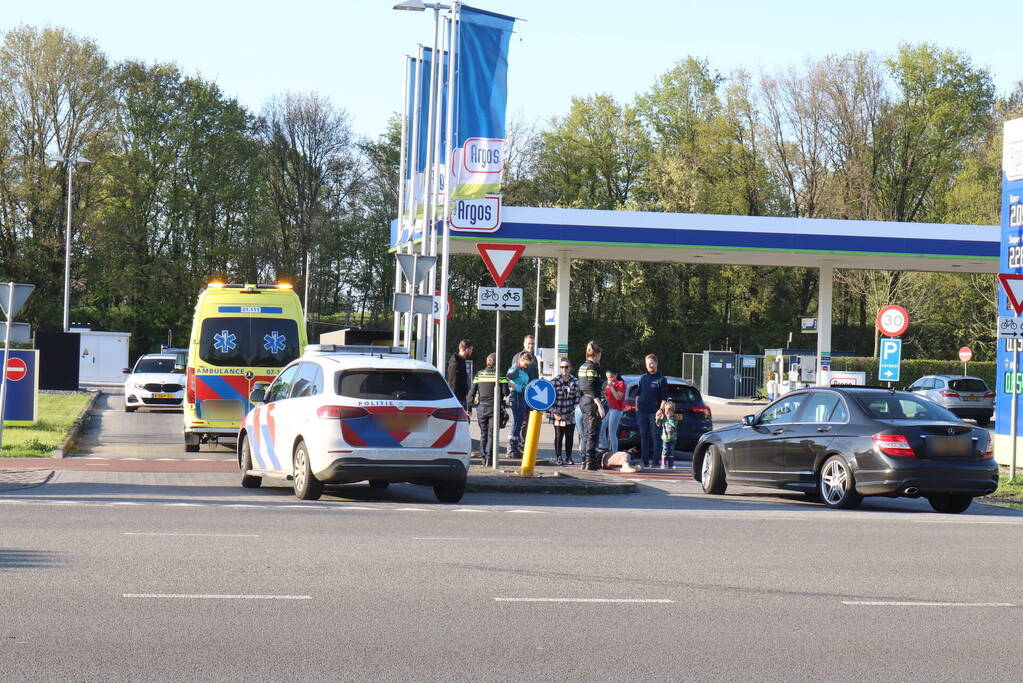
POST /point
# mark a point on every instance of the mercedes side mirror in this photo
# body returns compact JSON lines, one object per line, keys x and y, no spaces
{"x":748,"y":420}
{"x":257,"y":396}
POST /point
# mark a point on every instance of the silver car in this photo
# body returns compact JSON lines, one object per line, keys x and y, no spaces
{"x":966,"y":397}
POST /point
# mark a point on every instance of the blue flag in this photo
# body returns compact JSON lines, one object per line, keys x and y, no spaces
{"x":481,"y":99}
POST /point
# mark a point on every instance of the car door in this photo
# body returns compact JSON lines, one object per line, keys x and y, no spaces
{"x":299,"y":411}
{"x":811,"y":434}
{"x":765,"y":446}
{"x":272,"y":428}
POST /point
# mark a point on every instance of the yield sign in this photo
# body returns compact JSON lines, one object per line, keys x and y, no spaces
{"x":500,"y":259}
{"x":21,"y":293}
{"x":1013,"y":286}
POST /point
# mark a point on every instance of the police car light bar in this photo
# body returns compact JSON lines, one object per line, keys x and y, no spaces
{"x":361,"y":349}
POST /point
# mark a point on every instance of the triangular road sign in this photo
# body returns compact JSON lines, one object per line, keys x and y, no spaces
{"x":500,"y":259}
{"x":1013,"y":286}
{"x":21,"y":293}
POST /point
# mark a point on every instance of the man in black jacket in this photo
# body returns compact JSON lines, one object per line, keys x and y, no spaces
{"x":591,"y":390}
{"x":459,"y":374}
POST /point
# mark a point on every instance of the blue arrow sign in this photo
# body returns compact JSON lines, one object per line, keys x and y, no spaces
{"x":540,"y":394}
{"x":888,"y":367}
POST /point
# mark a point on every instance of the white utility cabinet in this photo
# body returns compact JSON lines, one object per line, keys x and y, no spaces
{"x":102,"y":356}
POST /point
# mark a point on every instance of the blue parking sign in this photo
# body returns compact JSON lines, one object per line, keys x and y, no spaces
{"x":890,"y":360}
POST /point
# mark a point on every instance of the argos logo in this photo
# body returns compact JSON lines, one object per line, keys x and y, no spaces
{"x":477,"y":215}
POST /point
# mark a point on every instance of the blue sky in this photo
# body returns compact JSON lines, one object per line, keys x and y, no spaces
{"x":351,"y":50}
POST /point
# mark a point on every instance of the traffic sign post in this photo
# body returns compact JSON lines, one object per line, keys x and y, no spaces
{"x":890,"y":360}
{"x":539,"y":395}
{"x":500,"y":260}
{"x":12,"y":298}
{"x":965,"y":354}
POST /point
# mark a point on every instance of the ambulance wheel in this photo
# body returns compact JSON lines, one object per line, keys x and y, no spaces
{"x":245,"y":461}
{"x":307,"y":486}
{"x":191,"y":443}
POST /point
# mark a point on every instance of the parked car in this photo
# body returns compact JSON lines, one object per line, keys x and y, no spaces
{"x":842,"y":443}
{"x":967,"y":397}
{"x":339,"y":415}
{"x":696,"y":419}
{"x":156,"y":381}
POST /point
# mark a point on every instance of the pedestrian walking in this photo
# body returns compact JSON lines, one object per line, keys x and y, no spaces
{"x":772,"y":386}
{"x":459,"y":374}
{"x":614,"y":393}
{"x":566,"y":400}
{"x":652,"y":391}
{"x":518,"y":378}
{"x":482,"y":398}
{"x":591,"y":389}
{"x":668,"y":423}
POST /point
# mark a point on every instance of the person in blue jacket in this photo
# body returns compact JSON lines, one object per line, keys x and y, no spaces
{"x":518,"y":378}
{"x":653,"y":390}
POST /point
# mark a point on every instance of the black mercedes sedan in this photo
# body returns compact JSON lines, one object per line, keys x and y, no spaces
{"x":839,"y":444}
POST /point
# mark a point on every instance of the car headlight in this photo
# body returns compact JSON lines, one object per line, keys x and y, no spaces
{"x":137,"y":387}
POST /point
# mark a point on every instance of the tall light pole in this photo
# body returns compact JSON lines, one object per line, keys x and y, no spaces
{"x":70,"y":161}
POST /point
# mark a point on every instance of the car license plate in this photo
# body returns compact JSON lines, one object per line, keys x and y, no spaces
{"x":971,"y":398}
{"x":397,"y":422}
{"x":948,"y":445}
{"x":163,"y":395}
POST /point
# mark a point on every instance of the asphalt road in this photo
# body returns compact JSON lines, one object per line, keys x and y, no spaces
{"x":187,"y":576}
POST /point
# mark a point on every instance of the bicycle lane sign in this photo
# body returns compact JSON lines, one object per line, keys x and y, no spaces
{"x":499,"y":298}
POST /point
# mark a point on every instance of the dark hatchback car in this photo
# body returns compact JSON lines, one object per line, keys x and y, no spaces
{"x":840,"y":444}
{"x":696,"y":418}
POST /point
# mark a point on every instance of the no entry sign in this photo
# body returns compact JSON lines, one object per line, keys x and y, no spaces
{"x":16,"y":369}
{"x":965,"y":354}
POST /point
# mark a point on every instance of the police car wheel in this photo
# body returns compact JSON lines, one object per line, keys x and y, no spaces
{"x":307,"y":486}
{"x":245,"y":462}
{"x":449,"y":492}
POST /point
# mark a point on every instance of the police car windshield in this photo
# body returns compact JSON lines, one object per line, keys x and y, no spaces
{"x":155,"y":365}
{"x":248,"y":342}
{"x":401,"y":385}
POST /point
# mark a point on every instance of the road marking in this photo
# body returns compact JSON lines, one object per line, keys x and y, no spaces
{"x":201,"y":596}
{"x":413,"y":510}
{"x":909,"y":603}
{"x":658,"y":601}
{"x":528,"y":512}
{"x":182,"y":505}
{"x":461,"y":538}
{"x":467,"y":510}
{"x":157,"y":533}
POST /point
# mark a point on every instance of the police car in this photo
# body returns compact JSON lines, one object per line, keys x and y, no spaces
{"x":343,"y":414}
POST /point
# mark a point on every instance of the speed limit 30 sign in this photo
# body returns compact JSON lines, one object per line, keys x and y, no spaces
{"x":892,"y":321}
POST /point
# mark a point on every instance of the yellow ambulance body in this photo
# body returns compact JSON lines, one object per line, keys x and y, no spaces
{"x":242,"y":335}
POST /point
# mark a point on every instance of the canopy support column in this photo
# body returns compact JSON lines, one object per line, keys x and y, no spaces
{"x":562,"y":304}
{"x":824,"y":304}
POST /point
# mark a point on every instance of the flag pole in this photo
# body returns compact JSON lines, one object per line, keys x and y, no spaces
{"x":410,"y":191}
{"x":402,"y":169}
{"x":445,"y":268}
{"x":424,"y":351}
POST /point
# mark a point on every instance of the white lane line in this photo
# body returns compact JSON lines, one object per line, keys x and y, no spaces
{"x":657,"y":601}
{"x":527,"y":512}
{"x":910,"y":603}
{"x":467,"y":510}
{"x":125,"y":502}
{"x":201,"y":596}
{"x":157,"y":533}
{"x":412,"y":510}
{"x":461,"y":538}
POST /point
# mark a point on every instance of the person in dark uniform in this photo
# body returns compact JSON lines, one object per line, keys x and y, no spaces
{"x":482,"y":396}
{"x":591,"y":390}
{"x":459,"y":373}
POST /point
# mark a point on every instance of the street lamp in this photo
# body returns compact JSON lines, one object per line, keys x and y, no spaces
{"x":420,"y":6}
{"x":70,"y":161}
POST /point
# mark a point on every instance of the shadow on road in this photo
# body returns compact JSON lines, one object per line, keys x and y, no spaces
{"x":11,"y":558}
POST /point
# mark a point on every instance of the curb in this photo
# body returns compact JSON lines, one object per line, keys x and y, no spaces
{"x":76,"y":429}
{"x":588,"y":483}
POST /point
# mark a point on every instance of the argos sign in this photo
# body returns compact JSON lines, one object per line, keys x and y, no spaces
{"x":477,"y":215}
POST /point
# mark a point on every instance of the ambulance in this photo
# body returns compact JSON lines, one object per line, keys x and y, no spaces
{"x":242,"y":335}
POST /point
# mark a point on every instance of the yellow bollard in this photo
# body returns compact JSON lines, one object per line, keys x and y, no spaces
{"x":532,"y":441}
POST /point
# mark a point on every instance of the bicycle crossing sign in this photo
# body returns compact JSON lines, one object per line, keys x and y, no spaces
{"x":1009,"y":326}
{"x":499,"y":298}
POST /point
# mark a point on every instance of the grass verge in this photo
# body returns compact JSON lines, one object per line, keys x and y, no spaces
{"x":1009,"y":493}
{"x":57,"y":414}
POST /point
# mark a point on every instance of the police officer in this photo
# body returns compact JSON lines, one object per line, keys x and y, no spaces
{"x":591,"y":389}
{"x":483,"y":392}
